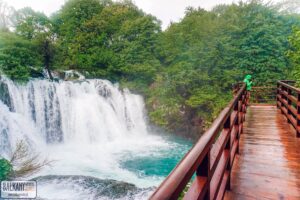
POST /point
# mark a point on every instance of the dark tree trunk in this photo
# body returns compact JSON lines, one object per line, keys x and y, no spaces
{"x":47,"y":58}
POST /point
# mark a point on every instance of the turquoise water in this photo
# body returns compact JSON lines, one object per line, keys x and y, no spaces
{"x":134,"y":176}
{"x":160,"y":164}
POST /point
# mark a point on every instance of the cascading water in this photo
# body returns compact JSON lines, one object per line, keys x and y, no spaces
{"x":90,"y":129}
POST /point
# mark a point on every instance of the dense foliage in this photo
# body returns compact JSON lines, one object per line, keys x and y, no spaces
{"x":207,"y":52}
{"x":294,"y":54}
{"x":185,"y":72}
{"x":18,"y":57}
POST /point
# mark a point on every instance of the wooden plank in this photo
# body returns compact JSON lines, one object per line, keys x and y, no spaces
{"x":198,"y":189}
{"x":234,"y":117}
{"x":234,"y":133}
{"x":218,"y":148}
{"x":218,"y":175}
{"x":222,"y":190}
{"x":268,"y":165}
{"x":233,"y":151}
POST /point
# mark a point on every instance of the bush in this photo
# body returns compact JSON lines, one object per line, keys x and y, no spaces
{"x":5,"y":169}
{"x":26,"y":162}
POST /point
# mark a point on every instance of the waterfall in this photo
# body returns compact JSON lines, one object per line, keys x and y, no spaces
{"x":90,"y":111}
{"x":88,"y":128}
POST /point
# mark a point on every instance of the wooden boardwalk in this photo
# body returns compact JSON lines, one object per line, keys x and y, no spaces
{"x":266,"y":152}
{"x":268,"y":165}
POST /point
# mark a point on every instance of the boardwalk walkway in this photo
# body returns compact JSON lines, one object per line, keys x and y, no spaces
{"x":268,"y":166}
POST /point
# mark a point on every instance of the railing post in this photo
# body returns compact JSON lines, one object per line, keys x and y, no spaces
{"x":237,"y":124}
{"x":204,"y":170}
{"x":228,"y":147}
{"x":241,"y":116}
{"x":289,"y":91}
{"x":298,"y":115}
{"x":243,"y":106}
{"x":282,"y":98}
{"x":278,"y":104}
{"x":245,"y":101}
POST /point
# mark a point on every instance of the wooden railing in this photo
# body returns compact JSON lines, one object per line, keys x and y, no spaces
{"x":210,"y":159}
{"x":260,"y":94}
{"x":288,"y":101}
{"x":264,"y":94}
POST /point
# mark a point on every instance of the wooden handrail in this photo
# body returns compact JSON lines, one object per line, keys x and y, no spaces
{"x":210,"y":159}
{"x":264,"y":94}
{"x":288,"y":101}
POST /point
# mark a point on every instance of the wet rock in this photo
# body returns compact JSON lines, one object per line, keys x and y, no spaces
{"x":72,"y":75}
{"x":103,"y":90}
{"x":5,"y":147}
{"x":4,"y":95}
{"x":99,"y":188}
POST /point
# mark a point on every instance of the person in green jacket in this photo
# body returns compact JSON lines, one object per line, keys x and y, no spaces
{"x":248,"y":82}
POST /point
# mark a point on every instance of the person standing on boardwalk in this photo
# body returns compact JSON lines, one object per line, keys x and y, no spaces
{"x":248,"y":82}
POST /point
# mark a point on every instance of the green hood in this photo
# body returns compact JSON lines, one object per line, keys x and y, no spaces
{"x":248,"y":77}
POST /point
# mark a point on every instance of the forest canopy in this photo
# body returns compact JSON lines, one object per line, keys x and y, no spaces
{"x":182,"y":71}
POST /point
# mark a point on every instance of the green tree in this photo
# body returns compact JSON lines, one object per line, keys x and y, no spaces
{"x":263,"y":43}
{"x":36,"y":27}
{"x":19,"y":59}
{"x":109,"y":40}
{"x":73,"y":42}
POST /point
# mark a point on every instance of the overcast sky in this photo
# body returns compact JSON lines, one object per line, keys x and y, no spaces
{"x":165,"y":10}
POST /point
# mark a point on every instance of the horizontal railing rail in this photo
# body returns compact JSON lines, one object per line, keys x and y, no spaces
{"x":263,"y":94}
{"x":260,"y":94}
{"x":288,"y":101}
{"x":211,"y":158}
